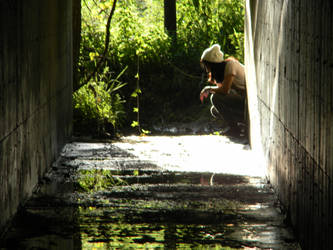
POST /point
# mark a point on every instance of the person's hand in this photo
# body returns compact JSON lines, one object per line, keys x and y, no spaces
{"x":204,"y":93}
{"x":210,"y":79}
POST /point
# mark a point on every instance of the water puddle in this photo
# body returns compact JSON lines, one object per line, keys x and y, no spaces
{"x":135,"y":209}
{"x":104,"y":197}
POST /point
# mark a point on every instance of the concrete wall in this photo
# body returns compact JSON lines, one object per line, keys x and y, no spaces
{"x":289,"y":63}
{"x":35,"y":94}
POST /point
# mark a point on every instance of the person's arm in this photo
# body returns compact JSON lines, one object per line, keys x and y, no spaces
{"x":224,"y":87}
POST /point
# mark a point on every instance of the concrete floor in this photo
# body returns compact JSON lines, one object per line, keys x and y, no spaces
{"x":152,"y":192}
{"x":212,"y":153}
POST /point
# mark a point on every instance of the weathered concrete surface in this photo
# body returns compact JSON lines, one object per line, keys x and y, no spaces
{"x":35,"y":94}
{"x":289,"y":68}
{"x":153,"y":192}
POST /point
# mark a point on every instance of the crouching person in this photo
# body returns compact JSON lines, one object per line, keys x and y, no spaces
{"x":228,"y":90}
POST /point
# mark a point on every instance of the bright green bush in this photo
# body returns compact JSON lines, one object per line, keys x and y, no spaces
{"x":98,"y":103}
{"x":202,"y":23}
{"x":138,"y":31}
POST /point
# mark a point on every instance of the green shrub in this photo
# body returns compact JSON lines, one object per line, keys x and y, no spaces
{"x":98,"y":104}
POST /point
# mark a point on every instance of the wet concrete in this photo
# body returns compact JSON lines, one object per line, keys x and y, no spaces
{"x":153,"y":192}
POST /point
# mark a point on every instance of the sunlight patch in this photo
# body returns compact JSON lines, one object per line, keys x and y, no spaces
{"x":209,"y":153}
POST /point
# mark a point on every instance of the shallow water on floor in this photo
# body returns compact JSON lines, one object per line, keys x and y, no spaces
{"x":104,"y":196}
{"x":146,"y":209}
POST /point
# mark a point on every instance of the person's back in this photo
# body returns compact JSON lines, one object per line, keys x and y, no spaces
{"x":236,"y":69}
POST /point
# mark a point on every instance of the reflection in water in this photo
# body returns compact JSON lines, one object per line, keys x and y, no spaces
{"x":117,"y":209}
{"x":129,"y":231}
{"x":125,"y":203}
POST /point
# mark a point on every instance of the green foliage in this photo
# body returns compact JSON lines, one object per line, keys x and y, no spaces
{"x":96,"y":180}
{"x":169,"y":72}
{"x":99,"y":101}
{"x":202,"y":23}
{"x":136,"y":93}
{"x":138,"y":31}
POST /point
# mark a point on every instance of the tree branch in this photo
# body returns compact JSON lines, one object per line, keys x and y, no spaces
{"x":106,"y":46}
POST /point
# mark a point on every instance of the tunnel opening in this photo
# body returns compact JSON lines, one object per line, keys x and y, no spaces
{"x":163,"y":74}
{"x":180,"y":204}
{"x":290,"y":136}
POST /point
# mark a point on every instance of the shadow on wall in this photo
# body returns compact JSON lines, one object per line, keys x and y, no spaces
{"x":35,"y":94}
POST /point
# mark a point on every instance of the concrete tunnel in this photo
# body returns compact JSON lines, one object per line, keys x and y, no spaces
{"x":289,"y":69}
